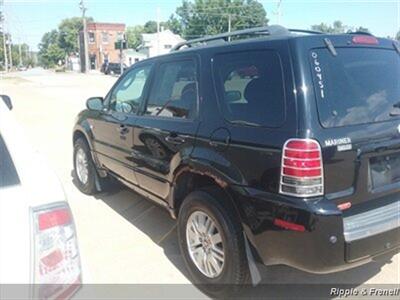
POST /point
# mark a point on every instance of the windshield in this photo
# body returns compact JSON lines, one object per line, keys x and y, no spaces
{"x":358,"y":86}
{"x":8,"y":173}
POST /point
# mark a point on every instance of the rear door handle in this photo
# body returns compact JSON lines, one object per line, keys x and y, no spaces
{"x":123,"y":129}
{"x":176,"y":140}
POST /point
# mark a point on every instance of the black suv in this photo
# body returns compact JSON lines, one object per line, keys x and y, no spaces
{"x":112,"y":68}
{"x":282,"y":147}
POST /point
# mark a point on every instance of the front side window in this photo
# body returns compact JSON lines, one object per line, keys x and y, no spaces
{"x":250,"y":88}
{"x":174,"y":93}
{"x":128,"y":94}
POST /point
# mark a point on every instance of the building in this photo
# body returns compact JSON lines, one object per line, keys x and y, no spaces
{"x":131,"y":56}
{"x":158,"y":43}
{"x":101,"y":43}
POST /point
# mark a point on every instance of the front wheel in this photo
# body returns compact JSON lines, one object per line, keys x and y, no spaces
{"x":212,"y":243}
{"x":84,"y":169}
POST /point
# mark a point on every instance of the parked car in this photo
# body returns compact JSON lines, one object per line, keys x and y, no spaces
{"x":112,"y":68}
{"x":22,"y":68}
{"x":283,"y":148}
{"x":38,"y":242}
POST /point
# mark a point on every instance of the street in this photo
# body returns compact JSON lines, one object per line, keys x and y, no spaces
{"x":124,"y":238}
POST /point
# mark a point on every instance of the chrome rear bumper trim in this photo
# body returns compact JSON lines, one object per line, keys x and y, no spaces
{"x":372,"y":222}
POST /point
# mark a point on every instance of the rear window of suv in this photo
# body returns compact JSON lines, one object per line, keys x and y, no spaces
{"x":250,"y":88}
{"x":8,"y":173}
{"x":358,"y":86}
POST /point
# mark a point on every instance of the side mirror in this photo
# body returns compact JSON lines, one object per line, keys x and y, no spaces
{"x":233,"y":96}
{"x":7,"y":101}
{"x":95,"y":103}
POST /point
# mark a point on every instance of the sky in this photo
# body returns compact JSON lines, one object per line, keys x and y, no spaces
{"x":28,"y":20}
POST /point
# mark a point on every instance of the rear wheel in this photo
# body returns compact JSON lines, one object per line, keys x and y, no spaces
{"x":212,"y":243}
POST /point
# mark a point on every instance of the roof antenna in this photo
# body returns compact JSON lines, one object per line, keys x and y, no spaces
{"x":330,"y":46}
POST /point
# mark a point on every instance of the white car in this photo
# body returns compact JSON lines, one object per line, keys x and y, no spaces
{"x":38,"y":242}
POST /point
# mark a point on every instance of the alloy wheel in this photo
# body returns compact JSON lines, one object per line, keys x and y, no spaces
{"x":205,"y":245}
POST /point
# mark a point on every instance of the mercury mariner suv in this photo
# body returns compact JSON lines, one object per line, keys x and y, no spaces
{"x":265,"y":144}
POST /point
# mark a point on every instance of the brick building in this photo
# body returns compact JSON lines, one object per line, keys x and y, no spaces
{"x":101,"y":39}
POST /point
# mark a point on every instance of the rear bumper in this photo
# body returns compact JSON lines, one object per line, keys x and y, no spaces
{"x":323,"y":247}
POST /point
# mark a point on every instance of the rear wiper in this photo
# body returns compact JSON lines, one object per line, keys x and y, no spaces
{"x":396,"y":110}
{"x":395,"y":113}
{"x":246,"y":123}
{"x":330,"y":46}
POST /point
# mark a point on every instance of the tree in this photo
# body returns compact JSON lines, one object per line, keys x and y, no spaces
{"x":133,"y":35}
{"x":398,"y":36}
{"x":50,"y":51}
{"x":362,"y":29}
{"x":26,"y":58}
{"x":207,"y":17}
{"x":150,"y":27}
{"x":68,"y":34}
{"x":337,"y":28}
{"x":174,"y":25}
{"x":2,"y":60}
{"x":59,"y":43}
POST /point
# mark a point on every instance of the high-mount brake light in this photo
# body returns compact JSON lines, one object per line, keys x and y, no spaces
{"x":302,"y":168}
{"x":57,"y":266}
{"x":365,"y":39}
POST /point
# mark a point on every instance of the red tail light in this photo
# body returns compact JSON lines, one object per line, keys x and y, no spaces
{"x":302,"y":168}
{"x":365,"y":39}
{"x":57,"y":267}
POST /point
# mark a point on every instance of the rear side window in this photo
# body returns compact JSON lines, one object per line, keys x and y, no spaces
{"x":250,"y":88}
{"x":8,"y":173}
{"x":358,"y":86}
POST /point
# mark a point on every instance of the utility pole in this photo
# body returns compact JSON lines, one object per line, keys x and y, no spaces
{"x":121,"y":45}
{"x":9,"y":42}
{"x":3,"y":29}
{"x":85,"y":43}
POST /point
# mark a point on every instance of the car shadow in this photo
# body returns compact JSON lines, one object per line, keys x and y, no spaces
{"x":157,"y":224}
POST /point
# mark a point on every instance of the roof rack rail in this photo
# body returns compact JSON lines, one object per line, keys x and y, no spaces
{"x":271,"y":30}
{"x":305,"y":31}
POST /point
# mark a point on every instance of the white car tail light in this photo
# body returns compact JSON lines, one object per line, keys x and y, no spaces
{"x":57,"y":266}
{"x":302,"y":168}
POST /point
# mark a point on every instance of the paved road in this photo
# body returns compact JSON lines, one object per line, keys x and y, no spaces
{"x":123,"y":238}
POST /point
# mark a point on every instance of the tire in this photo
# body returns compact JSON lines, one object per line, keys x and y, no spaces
{"x":235,"y":271}
{"x":87,"y":186}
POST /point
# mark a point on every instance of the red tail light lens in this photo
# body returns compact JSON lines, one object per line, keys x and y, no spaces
{"x":302,"y":168}
{"x":365,"y":39}
{"x":57,"y":267}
